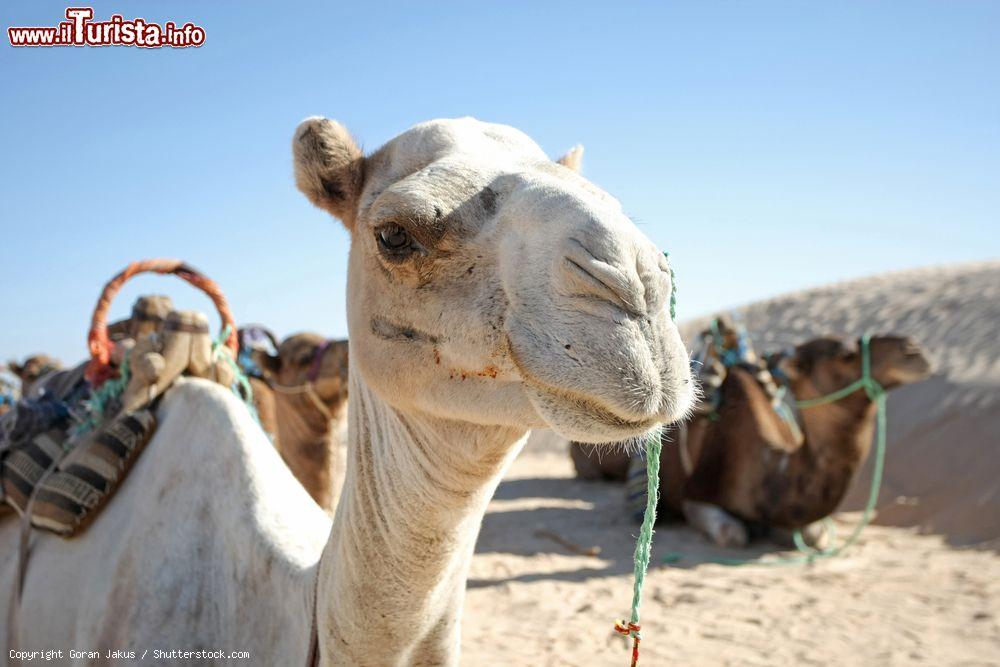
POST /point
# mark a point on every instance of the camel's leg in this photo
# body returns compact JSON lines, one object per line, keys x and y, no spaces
{"x":814,"y":535}
{"x":717,"y":524}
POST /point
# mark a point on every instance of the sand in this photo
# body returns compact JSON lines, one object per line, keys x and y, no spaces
{"x":897,"y":598}
{"x":920,"y":588}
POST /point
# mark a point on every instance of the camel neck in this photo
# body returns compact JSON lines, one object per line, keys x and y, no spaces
{"x":300,"y":419}
{"x":306,"y":441}
{"x":840,"y":432}
{"x":392,"y":579}
{"x":837,"y":440}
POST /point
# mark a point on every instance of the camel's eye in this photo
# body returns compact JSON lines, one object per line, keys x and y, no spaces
{"x":394,"y":240}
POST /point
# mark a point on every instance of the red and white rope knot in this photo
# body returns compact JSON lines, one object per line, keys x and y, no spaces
{"x":634,"y":630}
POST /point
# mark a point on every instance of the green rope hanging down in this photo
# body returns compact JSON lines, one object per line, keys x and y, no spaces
{"x":644,"y":543}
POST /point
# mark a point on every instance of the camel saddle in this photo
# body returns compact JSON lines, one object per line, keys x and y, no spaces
{"x":67,"y":449}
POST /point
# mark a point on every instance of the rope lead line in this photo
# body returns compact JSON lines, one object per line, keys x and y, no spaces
{"x":644,"y":543}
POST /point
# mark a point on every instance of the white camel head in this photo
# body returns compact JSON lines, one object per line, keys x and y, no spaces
{"x":512,"y":290}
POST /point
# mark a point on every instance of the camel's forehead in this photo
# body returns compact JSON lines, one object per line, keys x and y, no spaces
{"x":459,"y":140}
{"x":440,"y":164}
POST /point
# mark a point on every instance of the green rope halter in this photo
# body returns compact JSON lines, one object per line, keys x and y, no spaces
{"x":877,"y":395}
{"x":644,"y":542}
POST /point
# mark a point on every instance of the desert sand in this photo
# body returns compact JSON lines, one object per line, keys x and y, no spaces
{"x":922,"y":587}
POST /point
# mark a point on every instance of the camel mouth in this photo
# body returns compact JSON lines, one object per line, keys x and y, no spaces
{"x":566,"y":400}
{"x":912,"y":363}
{"x":584,"y":420}
{"x":610,"y":418}
{"x":915,"y":367}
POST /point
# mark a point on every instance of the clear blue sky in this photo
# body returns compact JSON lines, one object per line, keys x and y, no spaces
{"x":767,"y":145}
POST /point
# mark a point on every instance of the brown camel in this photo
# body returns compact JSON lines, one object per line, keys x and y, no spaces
{"x":32,"y":369}
{"x":148,"y":315}
{"x":747,"y":466}
{"x":301,"y":400}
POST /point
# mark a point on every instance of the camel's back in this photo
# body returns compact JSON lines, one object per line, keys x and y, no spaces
{"x":208,"y":525}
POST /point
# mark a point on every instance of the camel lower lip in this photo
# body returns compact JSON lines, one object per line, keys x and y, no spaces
{"x":597,"y":411}
{"x":609,"y":418}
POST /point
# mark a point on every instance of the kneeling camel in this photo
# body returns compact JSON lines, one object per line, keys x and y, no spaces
{"x":750,"y":467}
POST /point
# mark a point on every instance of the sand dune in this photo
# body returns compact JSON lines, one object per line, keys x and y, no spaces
{"x":897,"y":598}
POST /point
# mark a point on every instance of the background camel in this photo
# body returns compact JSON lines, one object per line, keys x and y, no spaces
{"x":749,"y":466}
{"x":301,"y":399}
{"x":148,"y":314}
{"x":491,"y":291}
{"x":33,"y":369}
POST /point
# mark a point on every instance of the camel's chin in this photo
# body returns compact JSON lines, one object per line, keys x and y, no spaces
{"x":583,"y":422}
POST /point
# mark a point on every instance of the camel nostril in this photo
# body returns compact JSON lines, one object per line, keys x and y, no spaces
{"x":591,"y":276}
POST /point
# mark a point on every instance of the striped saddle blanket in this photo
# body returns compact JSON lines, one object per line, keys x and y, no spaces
{"x":61,"y":491}
{"x":57,"y":481}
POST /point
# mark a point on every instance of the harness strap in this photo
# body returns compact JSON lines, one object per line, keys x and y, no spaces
{"x":317,"y":401}
{"x":317,"y":361}
{"x":871,"y":386}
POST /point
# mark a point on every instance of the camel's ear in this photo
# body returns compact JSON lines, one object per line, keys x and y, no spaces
{"x":573,"y":158}
{"x":16,"y":368}
{"x":329,"y":167}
